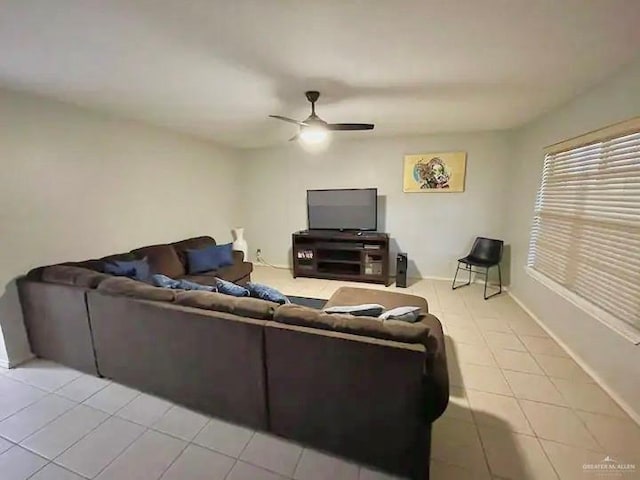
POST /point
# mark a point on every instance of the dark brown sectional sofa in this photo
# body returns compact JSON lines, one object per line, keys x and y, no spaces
{"x":360,"y":388}
{"x":56,"y":315}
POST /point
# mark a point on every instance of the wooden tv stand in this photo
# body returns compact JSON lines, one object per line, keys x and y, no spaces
{"x":334,"y":255}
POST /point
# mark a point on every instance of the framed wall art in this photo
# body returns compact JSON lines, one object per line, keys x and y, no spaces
{"x":435,"y":172}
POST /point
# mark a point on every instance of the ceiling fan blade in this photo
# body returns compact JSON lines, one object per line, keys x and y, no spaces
{"x":290,"y":120}
{"x":350,"y":126}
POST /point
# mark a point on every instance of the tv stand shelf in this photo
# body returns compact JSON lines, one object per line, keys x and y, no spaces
{"x":335,"y":255}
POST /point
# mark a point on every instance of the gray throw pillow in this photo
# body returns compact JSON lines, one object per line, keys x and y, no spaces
{"x":364,"y":310}
{"x":406,"y":314}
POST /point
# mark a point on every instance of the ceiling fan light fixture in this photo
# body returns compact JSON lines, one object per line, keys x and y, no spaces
{"x":314,"y":135}
{"x":315,"y":131}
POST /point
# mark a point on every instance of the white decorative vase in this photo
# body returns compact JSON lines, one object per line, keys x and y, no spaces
{"x":239,"y":243}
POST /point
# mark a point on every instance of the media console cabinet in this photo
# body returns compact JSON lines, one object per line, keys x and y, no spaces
{"x":359,"y":257}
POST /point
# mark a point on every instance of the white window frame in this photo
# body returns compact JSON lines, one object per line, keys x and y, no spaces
{"x":627,"y":331}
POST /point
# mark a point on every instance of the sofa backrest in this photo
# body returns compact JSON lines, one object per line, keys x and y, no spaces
{"x":73,"y":276}
{"x":162,"y":259}
{"x":366,"y":326}
{"x":242,"y":306}
{"x":127,"y":287}
{"x":57,"y":323}
{"x":194,"y":243}
{"x":353,"y":395}
{"x":206,"y":360}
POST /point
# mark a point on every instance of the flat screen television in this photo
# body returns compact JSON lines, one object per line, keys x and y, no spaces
{"x":343,"y":209}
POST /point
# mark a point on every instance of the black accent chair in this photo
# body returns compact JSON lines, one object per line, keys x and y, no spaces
{"x":485,"y":253}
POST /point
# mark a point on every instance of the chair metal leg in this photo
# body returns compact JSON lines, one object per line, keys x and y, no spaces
{"x":486,"y":279}
{"x":453,"y":285}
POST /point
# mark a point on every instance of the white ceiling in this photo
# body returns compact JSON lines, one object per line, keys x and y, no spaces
{"x":217,"y":68}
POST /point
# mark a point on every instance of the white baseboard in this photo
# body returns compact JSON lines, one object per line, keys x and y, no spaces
{"x":428,"y":277}
{"x":12,"y":363}
{"x":598,"y":379}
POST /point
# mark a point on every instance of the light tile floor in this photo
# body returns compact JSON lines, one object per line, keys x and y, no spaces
{"x":520,"y":409}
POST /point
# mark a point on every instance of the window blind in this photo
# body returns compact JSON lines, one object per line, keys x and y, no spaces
{"x":586,"y":228}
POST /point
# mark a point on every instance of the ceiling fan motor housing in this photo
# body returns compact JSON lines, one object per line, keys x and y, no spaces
{"x":312,"y":95}
{"x":315,"y":122}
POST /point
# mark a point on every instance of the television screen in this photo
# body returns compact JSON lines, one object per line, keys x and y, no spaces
{"x":344,"y":209}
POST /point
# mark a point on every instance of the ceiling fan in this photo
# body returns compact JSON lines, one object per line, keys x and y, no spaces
{"x":315,"y":130}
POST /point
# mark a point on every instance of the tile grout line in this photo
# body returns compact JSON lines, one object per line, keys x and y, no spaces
{"x":46,"y":424}
{"x":188,"y":443}
{"x":109,"y":382}
{"x":120,"y":453}
{"x":263,"y":467}
{"x":144,"y":431}
{"x":109,"y":416}
{"x":29,"y":404}
{"x":235,"y":462}
{"x":33,"y":453}
{"x":295,"y":467}
{"x":25,"y":382}
{"x":482,"y":445}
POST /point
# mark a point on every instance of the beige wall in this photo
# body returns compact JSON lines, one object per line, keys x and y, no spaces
{"x":77,"y":185}
{"x":611,"y":357}
{"x":434,"y":228}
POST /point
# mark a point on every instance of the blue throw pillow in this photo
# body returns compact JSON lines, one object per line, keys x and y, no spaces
{"x":209,"y":258}
{"x":406,"y":314}
{"x":229,"y":288}
{"x":163,"y":281}
{"x":266,"y":293}
{"x":224,"y":254}
{"x":364,"y":310}
{"x":137,"y":269}
{"x":189,"y":285}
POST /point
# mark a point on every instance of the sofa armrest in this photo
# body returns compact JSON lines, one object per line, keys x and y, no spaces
{"x":238,"y":256}
{"x":437,"y":372}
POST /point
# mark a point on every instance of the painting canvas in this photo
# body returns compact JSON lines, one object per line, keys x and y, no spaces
{"x":435,"y":172}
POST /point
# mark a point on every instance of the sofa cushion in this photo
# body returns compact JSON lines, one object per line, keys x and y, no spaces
{"x":232,"y":273}
{"x":356,"y":296}
{"x":245,"y":306}
{"x":363,"y":310}
{"x":132,"y":288}
{"x":366,"y":326}
{"x":162,"y":259}
{"x":76,"y":276}
{"x":235,"y":272}
{"x":211,"y":257}
{"x":138,"y":269}
{"x":182,"y":246}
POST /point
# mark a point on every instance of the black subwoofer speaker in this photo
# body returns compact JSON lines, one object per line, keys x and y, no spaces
{"x":401,"y":270}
